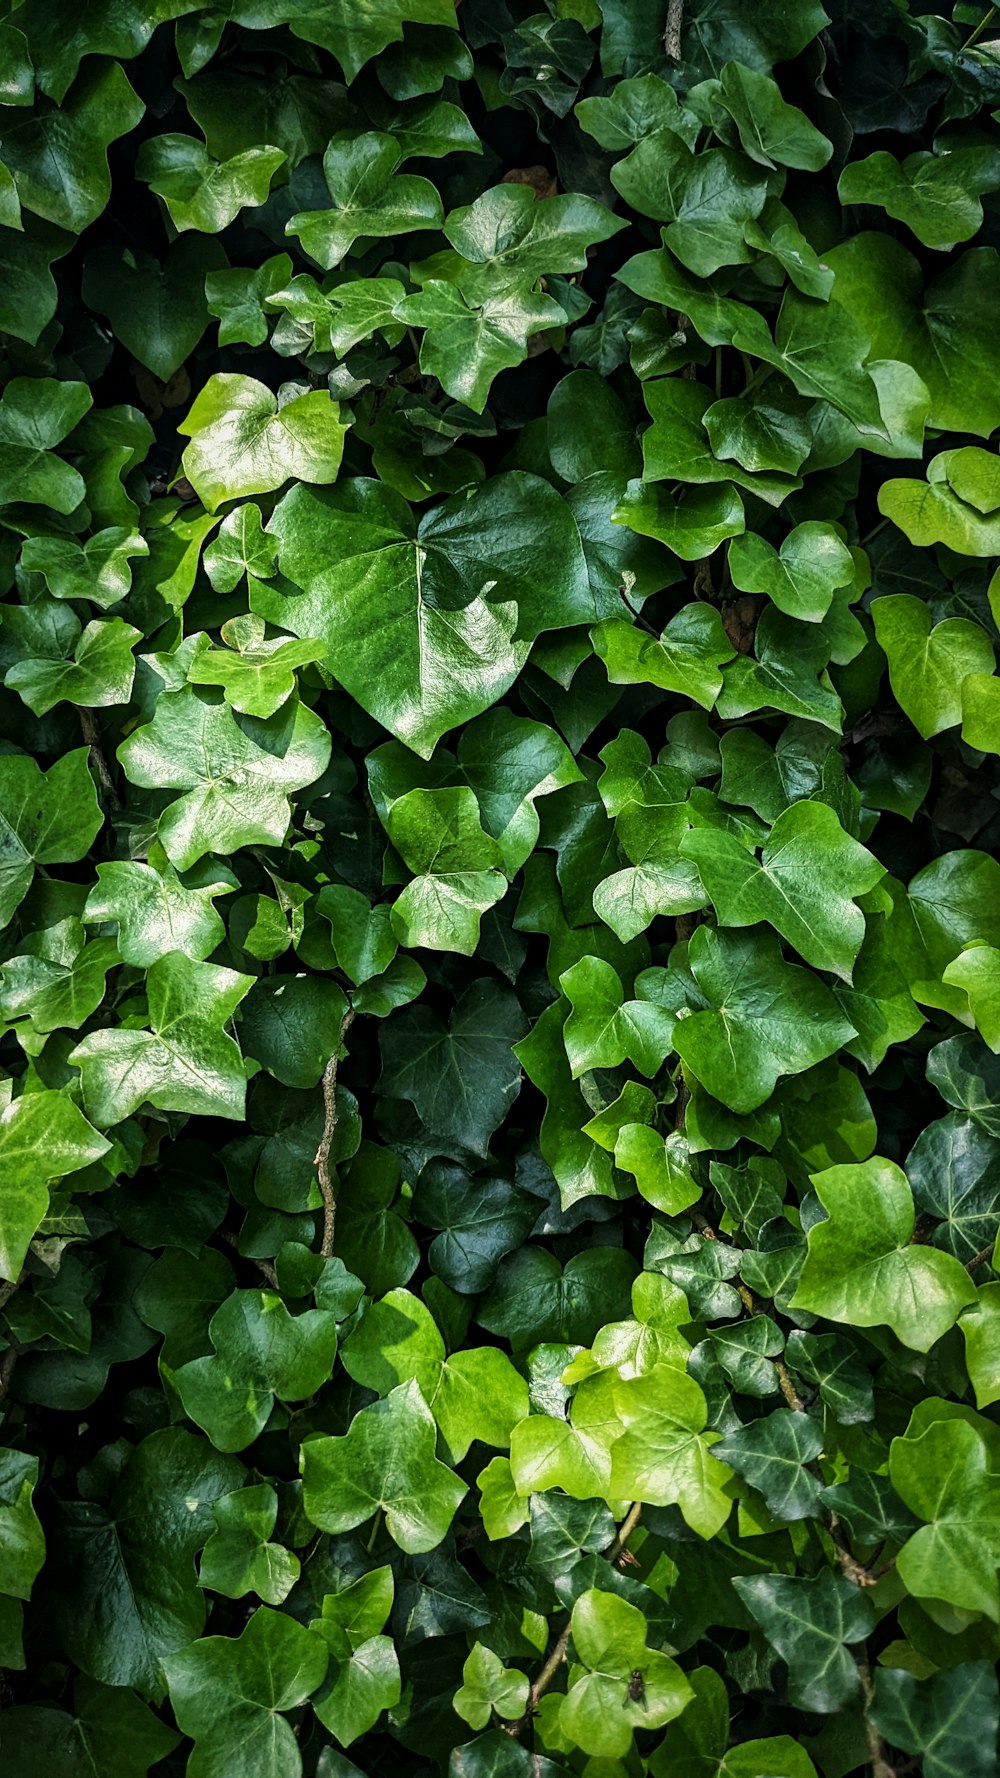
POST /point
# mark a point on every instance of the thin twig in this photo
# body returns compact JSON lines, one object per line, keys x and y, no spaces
{"x":91,"y":732}
{"x":787,"y":1387}
{"x":262,"y":1265}
{"x":672,"y":30}
{"x":880,"y":1766}
{"x":322,"y":1158}
{"x":640,"y":620}
{"x":7,"y":1363}
{"x":980,"y":1259}
{"x":612,"y":1554}
{"x":11,"y":1288}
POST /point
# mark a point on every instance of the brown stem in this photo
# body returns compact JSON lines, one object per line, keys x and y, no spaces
{"x":262,"y":1265}
{"x":91,"y":732}
{"x":555,"y":1659}
{"x":787,"y":1387}
{"x":640,"y":620}
{"x":7,"y":1363}
{"x":880,"y":1766}
{"x":980,"y":1259}
{"x":322,"y":1158}
{"x":672,"y":30}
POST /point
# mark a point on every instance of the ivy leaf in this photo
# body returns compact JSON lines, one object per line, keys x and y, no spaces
{"x":98,"y":674}
{"x":763,"y":1018}
{"x":185,"y":1062}
{"x":511,"y":241}
{"x":786,"y":672}
{"x":42,"y":1138}
{"x":957,"y":505}
{"x":817,"y":914}
{"x":156,"y":309}
{"x":237,"y":298}
{"x":156,"y":912}
{"x":802,"y":577}
{"x":954,"y":1170}
{"x":664,"y":1454}
{"x":634,"y":109}
{"x":99,"y":569}
{"x":109,"y":1733}
{"x":355,"y":34}
{"x":237,"y":774}
{"x":439,"y":836}
{"x":860,"y":1266}
{"x":23,"y":1547}
{"x":705,"y":198}
{"x":462,"y":1077}
{"x":609,"y":1641}
{"x":256,"y":673}
{"x":385,"y":1461}
{"x":59,"y":157}
{"x":365,"y":1678}
{"x":772,"y":1455}
{"x":808,"y":1622}
{"x":604,"y":1028}
{"x":48,"y":817}
{"x":368,"y":198}
{"x":579,"y":1167}
{"x":479,"y":1221}
{"x":466,"y":345}
{"x":228,"y":1694}
{"x":928,"y":665}
{"x":936,"y":195}
{"x":261,"y":1351}
{"x":693,"y":524}
{"x":291,"y":1025}
{"x":945,"y":1471}
{"x":200,"y":192}
{"x":980,"y":1327}
{"x":243,"y":442}
{"x":949,"y":1719}
{"x":393,"y":605}
{"x":771,"y":131}
{"x":132,"y":1597}
{"x":238,"y":1558}
{"x":686,"y":658}
{"x":488,"y":1685}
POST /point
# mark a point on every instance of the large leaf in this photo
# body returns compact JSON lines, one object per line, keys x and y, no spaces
{"x":229,"y":1695}
{"x":243,"y":442}
{"x":384,"y":1462}
{"x":45,"y":818}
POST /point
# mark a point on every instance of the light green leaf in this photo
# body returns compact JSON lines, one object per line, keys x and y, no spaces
{"x":937,"y":195}
{"x":664,"y":1456}
{"x":22,"y":1546}
{"x":604,"y":1028}
{"x":256,"y":673}
{"x":439,"y":836}
{"x":771,"y":131}
{"x":802,"y":577}
{"x":977,"y":971}
{"x":980,"y":1325}
{"x":861,"y":1267}
{"x":185,"y":1062}
{"x":385,"y":1461}
{"x":156,"y":912}
{"x":99,"y":569}
{"x":48,"y":817}
{"x":945,"y":1470}
{"x":488,"y":1685}
{"x":705,"y":198}
{"x":692,"y":524}
{"x":466,"y":345}
{"x":243,"y":442}
{"x":200,"y":192}
{"x":929,"y":662}
{"x":238,"y":1558}
{"x":957,"y":505}
{"x":685,"y":658}
{"x":601,"y":1710}
{"x":99,"y":673}
{"x":237,"y":775}
{"x":510,"y":241}
{"x":810,"y":872}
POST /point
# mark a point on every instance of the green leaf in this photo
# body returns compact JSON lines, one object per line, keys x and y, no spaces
{"x":365,"y":1671}
{"x":237,"y":297}
{"x":243,"y":442}
{"x":945,"y":1471}
{"x":466,"y":345}
{"x":580,"y":1168}
{"x":109,"y":1733}
{"x":257,"y":674}
{"x":957,"y":505}
{"x":156,"y":309}
{"x":384,"y":1462}
{"x":802,"y":577}
{"x":369,"y":198}
{"x":928,"y":665}
{"x":99,"y":569}
{"x":156,"y":912}
{"x":604,"y":1028}
{"x":600,"y":1711}
{"x":634,"y":109}
{"x":42,"y":1138}
{"x":229,"y":1695}
{"x":980,"y":1327}
{"x":772,"y":1455}
{"x":393,"y":606}
{"x":438,"y":835}
{"x":936,"y":195}
{"x":771,"y":132}
{"x":238,"y":1558}
{"x":510,"y":240}
{"x":461,"y":1078}
{"x":59,"y":157}
{"x":808,"y":1622}
{"x":200,"y":192}
{"x":949,"y":1719}
{"x":185,"y":1062}
{"x":705,"y":198}
{"x":132,"y":1597}
{"x":686,"y":658}
{"x":355,"y":33}
{"x":787,"y":671}
{"x":488,"y":1685}
{"x":22,"y":1551}
{"x":261,"y":1351}
{"x":759,"y":1018}
{"x":692,"y":524}
{"x":48,"y":817}
{"x":814,"y":911}
{"x":861,"y":1267}
{"x":99,"y":672}
{"x":664,"y":1455}
{"x":237,"y":774}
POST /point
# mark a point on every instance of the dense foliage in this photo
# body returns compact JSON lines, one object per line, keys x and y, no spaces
{"x":500,"y":885}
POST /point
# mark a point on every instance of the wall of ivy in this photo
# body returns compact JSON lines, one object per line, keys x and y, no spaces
{"x":499,"y":888}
